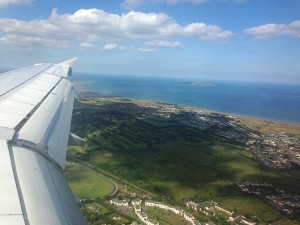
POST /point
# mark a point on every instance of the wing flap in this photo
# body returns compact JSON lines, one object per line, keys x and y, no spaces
{"x":10,"y":208}
{"x":60,"y":135}
{"x":44,"y":190}
{"x":48,"y":112}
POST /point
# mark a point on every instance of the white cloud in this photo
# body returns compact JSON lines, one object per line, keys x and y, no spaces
{"x":147,"y":49}
{"x":90,"y":46}
{"x":85,"y":45}
{"x":109,"y":47}
{"x":267,"y":31}
{"x":6,"y":3}
{"x":20,"y":40}
{"x":86,"y":27}
{"x":165,"y":44}
{"x":132,"y":4}
{"x":207,"y":32}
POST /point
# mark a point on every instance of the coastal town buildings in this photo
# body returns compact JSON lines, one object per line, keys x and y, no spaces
{"x":281,"y":199}
{"x":117,"y":202}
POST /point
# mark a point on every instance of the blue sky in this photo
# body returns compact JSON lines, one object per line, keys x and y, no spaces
{"x":256,"y":40}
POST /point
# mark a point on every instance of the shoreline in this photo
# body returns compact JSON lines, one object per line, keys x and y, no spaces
{"x":93,"y":94}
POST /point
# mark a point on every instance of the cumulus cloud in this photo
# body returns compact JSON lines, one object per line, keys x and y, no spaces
{"x":19,"y":40}
{"x":89,"y":26}
{"x":165,"y":44}
{"x":207,"y":32}
{"x":109,"y":47}
{"x":85,"y":45}
{"x":6,"y":3}
{"x":90,"y":46}
{"x":267,"y":31}
{"x":147,"y":49}
{"x":131,"y":4}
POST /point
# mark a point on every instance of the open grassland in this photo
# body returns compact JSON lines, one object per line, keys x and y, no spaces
{"x":164,"y":217}
{"x":290,"y":222}
{"x":244,"y":204}
{"x":174,"y":160}
{"x":271,"y":127}
{"x":85,"y":183}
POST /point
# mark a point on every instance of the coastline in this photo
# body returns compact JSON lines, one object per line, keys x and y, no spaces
{"x":85,"y":93}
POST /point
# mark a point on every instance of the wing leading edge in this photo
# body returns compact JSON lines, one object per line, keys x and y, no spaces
{"x":35,"y":115}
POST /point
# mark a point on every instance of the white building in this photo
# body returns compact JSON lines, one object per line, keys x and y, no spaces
{"x":223,"y":210}
{"x":188,"y":217}
{"x":193,"y":205}
{"x":137,"y":208}
{"x":150,"y":203}
{"x":118,"y":202}
{"x":137,"y":201}
{"x":177,"y":210}
{"x":247,"y":222}
{"x":142,"y":216}
{"x":195,"y":222}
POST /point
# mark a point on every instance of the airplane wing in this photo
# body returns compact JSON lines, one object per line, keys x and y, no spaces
{"x":35,"y":114}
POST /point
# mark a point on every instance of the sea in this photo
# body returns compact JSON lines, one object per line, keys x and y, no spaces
{"x":270,"y":101}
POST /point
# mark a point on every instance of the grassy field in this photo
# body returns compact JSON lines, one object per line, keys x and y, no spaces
{"x":290,"y":222}
{"x":270,"y":127}
{"x":164,"y":217}
{"x":173,"y":160}
{"x":86,"y":184}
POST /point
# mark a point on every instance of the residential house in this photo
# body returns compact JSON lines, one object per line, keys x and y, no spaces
{"x":118,"y":202}
{"x":223,"y":210}
{"x":116,"y":216}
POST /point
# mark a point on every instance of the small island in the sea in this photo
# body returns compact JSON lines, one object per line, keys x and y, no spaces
{"x":203,"y":84}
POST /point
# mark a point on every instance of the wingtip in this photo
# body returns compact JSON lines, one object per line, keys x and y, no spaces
{"x":68,"y":63}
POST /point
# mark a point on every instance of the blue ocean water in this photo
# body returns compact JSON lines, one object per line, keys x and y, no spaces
{"x":263,"y":100}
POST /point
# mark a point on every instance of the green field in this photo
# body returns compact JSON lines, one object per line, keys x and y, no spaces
{"x":86,"y":184}
{"x":173,"y":160}
{"x":164,"y":217}
{"x":271,"y":127}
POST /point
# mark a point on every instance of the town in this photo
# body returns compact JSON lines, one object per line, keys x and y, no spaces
{"x":139,"y":207}
{"x":278,"y":150}
{"x":280,"y":198}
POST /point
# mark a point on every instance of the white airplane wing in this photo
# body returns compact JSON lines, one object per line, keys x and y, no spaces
{"x":35,"y":114}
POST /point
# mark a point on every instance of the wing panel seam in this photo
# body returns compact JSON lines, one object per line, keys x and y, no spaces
{"x":58,"y":193}
{"x":19,"y":190}
{"x":21,"y":124}
{"x":32,"y":147}
{"x":3,"y":94}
